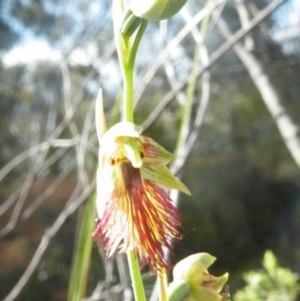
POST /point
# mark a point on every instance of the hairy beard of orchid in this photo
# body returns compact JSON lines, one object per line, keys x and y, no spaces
{"x":134,"y":211}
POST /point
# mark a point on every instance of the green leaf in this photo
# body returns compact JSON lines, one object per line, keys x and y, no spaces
{"x":81,"y":263}
{"x":270,"y":262}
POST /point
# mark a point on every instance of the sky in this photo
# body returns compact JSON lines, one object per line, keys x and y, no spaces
{"x":288,"y":25}
{"x":32,"y":49}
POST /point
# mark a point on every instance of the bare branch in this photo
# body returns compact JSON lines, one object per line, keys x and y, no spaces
{"x":170,"y":47}
{"x":270,"y":94}
{"x":9,"y":202}
{"x":245,"y":21}
{"x":81,"y":150}
{"x":213,"y":58}
{"x":74,"y":202}
{"x":50,"y":189}
{"x":23,"y":194}
{"x":191,"y":133}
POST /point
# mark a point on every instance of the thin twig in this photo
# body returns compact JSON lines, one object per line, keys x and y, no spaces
{"x":23,"y":195}
{"x":213,"y":58}
{"x":71,"y":207}
{"x":171,"y":45}
{"x":10,"y":201}
{"x":270,"y":94}
{"x":192,"y":132}
{"x":49,"y":190}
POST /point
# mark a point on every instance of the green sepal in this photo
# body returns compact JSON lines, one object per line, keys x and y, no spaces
{"x":178,"y":291}
{"x":158,"y":154}
{"x":162,"y":177}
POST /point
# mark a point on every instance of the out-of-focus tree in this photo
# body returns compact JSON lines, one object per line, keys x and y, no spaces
{"x":239,"y":169}
{"x":270,"y":283}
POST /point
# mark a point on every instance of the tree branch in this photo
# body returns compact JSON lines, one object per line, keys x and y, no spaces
{"x":269,"y":92}
{"x":213,"y":58}
{"x":74,"y":202}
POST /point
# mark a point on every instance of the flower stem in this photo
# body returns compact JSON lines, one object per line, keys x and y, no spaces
{"x":128,"y":72}
{"x":128,"y":93}
{"x":127,"y":48}
{"x":137,"y":283}
{"x":162,"y":285}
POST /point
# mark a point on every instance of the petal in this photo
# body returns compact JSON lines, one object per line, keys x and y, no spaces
{"x":139,"y":215}
{"x":156,"y":152}
{"x":215,"y":283}
{"x":161,"y":176}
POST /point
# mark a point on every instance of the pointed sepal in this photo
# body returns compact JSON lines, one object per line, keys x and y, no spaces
{"x":101,"y":127}
{"x":162,"y":177}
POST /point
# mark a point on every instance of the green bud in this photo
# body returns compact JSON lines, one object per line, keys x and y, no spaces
{"x":193,"y":271}
{"x":178,"y":291}
{"x":155,"y":10}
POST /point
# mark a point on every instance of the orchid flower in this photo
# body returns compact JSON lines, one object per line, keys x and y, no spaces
{"x":192,"y":281}
{"x":134,"y":211}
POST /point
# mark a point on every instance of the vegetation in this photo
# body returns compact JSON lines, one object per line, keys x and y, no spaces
{"x":243,"y":174}
{"x":271,"y":284}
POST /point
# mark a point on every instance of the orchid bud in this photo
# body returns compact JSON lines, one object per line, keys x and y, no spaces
{"x":193,"y":272}
{"x":155,"y":10}
{"x":191,"y":268}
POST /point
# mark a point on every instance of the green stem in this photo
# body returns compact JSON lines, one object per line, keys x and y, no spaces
{"x":128,"y":92}
{"x":137,"y":41}
{"x":136,"y":277}
{"x":128,"y":62}
{"x":81,"y":262}
{"x":162,"y":285}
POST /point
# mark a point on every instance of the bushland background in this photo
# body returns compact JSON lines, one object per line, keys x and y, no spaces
{"x":242,"y":168}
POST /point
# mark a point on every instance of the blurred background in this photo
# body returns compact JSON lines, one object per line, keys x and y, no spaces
{"x":241,"y":152}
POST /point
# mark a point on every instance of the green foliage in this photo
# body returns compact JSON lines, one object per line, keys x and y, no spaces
{"x":272,"y":283}
{"x":81,"y":264}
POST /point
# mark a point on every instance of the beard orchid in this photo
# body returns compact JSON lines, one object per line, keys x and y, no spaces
{"x":134,"y":211}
